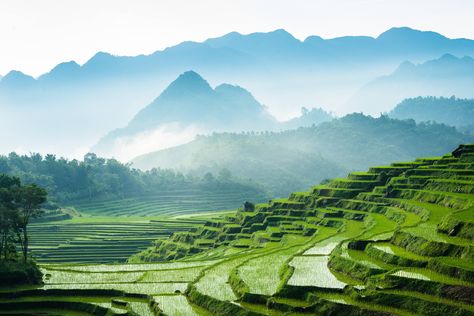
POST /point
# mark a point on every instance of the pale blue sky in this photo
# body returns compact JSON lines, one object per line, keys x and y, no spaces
{"x":38,"y":34}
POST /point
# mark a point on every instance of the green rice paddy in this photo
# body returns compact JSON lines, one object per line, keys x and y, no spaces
{"x":400,"y":246}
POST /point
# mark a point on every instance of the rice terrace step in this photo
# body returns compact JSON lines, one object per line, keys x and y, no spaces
{"x":351,"y":256}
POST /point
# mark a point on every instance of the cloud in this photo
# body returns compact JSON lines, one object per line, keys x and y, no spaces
{"x":167,"y":135}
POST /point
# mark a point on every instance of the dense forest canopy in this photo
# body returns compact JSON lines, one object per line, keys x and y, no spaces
{"x":96,"y":177}
{"x":451,"y":111}
{"x":294,"y":160}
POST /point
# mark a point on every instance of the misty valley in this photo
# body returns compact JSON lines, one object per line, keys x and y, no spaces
{"x":243,"y":175}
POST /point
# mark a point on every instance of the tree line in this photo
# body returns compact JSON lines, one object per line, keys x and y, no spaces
{"x":96,"y":177}
{"x":18,"y":205}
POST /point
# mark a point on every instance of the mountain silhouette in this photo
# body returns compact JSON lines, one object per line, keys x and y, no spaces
{"x":87,"y":101}
{"x":189,"y":101}
{"x":445,"y":76}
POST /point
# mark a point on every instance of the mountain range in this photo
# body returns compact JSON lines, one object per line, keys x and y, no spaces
{"x":69,"y":108}
{"x":190,"y":106}
{"x":187,"y":107}
{"x":445,"y":76}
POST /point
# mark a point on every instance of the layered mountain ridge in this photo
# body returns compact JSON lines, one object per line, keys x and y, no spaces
{"x":284,"y":73}
{"x":187,"y":107}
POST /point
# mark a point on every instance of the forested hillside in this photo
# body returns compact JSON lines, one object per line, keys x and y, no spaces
{"x":292,"y":160}
{"x":99,"y":178}
{"x":450,"y":111}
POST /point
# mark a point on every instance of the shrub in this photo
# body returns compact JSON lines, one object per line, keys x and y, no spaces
{"x":16,"y":272}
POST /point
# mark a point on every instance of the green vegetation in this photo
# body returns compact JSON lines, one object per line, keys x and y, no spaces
{"x":19,"y":204}
{"x":313,"y":271}
{"x":96,"y":181}
{"x":402,"y":244}
{"x":450,"y":111}
{"x":100,"y":239}
{"x":293,"y":160}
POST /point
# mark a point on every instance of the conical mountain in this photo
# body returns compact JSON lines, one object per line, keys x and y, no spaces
{"x":188,"y":106}
{"x":189,"y":95}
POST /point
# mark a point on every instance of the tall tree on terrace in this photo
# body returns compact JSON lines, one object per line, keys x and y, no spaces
{"x":8,"y":215}
{"x":29,"y":199}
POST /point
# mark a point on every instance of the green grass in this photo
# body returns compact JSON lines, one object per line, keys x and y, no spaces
{"x":325,"y":246}
{"x":429,"y":275}
{"x":395,"y":250}
{"x":379,"y":224}
{"x":456,"y":262}
{"x":364,"y":259}
{"x":431,"y":298}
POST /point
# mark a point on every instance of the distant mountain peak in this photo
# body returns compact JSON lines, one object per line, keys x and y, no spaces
{"x":63,"y":70}
{"x":100,"y":58}
{"x":448,"y":57}
{"x":190,"y":75}
{"x":189,"y":82}
{"x":406,"y":65}
{"x":227,"y":86}
{"x":68,"y":64}
{"x":282,"y":32}
{"x":406,"y":34}
{"x":276,"y":39}
{"x":15,"y":74}
{"x":279,"y":35}
{"x":313,"y":38}
{"x":17,"y":79}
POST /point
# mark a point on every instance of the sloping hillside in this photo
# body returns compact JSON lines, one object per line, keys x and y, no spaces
{"x":397,"y":239}
{"x":293,"y":160}
{"x":450,"y":111}
{"x":188,"y":106}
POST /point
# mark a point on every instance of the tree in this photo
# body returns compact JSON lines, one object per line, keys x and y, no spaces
{"x":29,"y":199}
{"x":249,"y":207}
{"x":208,"y":178}
{"x":8,"y":215}
{"x":224,"y":175}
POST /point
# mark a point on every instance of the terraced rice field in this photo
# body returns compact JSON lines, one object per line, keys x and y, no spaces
{"x":113,"y":230}
{"x":177,"y":305}
{"x":140,"y":287}
{"x":99,"y":240}
{"x":313,"y":271}
{"x":214,"y":282}
{"x":401,"y":245}
{"x":262,"y":274}
{"x":170,"y":203}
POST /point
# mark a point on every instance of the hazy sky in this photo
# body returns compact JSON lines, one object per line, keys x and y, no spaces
{"x":36,"y":35}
